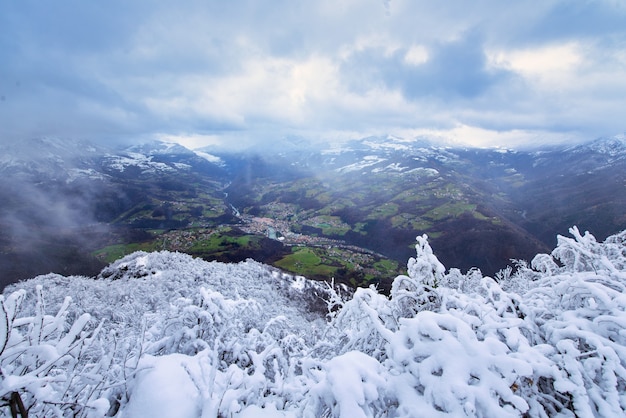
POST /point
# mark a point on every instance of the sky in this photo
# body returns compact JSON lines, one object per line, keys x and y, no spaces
{"x":485,"y":72}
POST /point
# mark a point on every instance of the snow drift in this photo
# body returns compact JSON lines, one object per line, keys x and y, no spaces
{"x":166,"y":335}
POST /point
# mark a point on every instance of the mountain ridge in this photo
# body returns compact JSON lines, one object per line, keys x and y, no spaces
{"x":374,"y":193}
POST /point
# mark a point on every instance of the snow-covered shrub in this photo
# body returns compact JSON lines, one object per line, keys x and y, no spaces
{"x":439,"y":362}
{"x":425,"y":267}
{"x":414,"y":292}
{"x":473,"y":349}
{"x":581,"y":317}
{"x":584,"y":253}
{"x":171,"y":336}
{"x":364,"y":324}
{"x":195,"y":324}
{"x":56,"y":366}
{"x":351,"y":384}
{"x":223,"y":351}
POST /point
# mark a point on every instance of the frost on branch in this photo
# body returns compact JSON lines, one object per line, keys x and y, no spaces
{"x":415,"y":292}
{"x":178,"y":336}
{"x":425,"y":268}
{"x":54,"y":365}
{"x":584,"y":253}
{"x":470,"y":348}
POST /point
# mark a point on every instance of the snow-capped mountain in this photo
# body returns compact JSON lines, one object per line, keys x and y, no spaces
{"x":399,"y":188}
{"x":159,"y":148}
{"x":160,"y":158}
{"x":67,"y":160}
{"x":614,"y":146}
{"x":51,"y":159}
{"x":62,"y":158}
{"x":376,"y":193}
{"x":372,"y":152}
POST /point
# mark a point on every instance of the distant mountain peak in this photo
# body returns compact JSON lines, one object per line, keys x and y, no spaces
{"x":613,"y":145}
{"x":52,"y":157}
{"x":158,"y":147}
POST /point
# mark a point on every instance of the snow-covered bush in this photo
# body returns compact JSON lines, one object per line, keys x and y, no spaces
{"x":166,"y":335}
{"x":462,"y":345}
{"x":158,"y":305}
{"x":414,"y":292}
{"x":56,"y":367}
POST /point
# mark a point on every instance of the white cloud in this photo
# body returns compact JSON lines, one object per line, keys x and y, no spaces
{"x":416,"y":55}
{"x":191,"y":141}
{"x":275,"y":89}
{"x":547,"y":64}
{"x":245,"y":70}
{"x":481,"y":137}
{"x":370,"y":41}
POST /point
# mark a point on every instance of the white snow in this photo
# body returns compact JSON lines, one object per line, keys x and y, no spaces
{"x":77,"y":173}
{"x":367,"y":161}
{"x":393,"y":145}
{"x":181,"y":166}
{"x":134,"y":159}
{"x":423,"y":171}
{"x":268,"y":411}
{"x":209,"y":157}
{"x":298,"y":283}
{"x":166,"y":335}
{"x":164,"y":389}
{"x":397,"y":167}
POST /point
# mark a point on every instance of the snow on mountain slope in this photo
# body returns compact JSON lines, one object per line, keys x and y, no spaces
{"x":71,"y":160}
{"x":166,"y":335}
{"x":210,"y":157}
{"x":52,"y":158}
{"x":367,"y":161}
{"x":148,"y":282}
{"x":608,"y":149}
{"x":137,"y":160}
{"x":614,"y":146}
{"x":386,"y":154}
{"x":160,"y":148}
{"x":151,"y":158}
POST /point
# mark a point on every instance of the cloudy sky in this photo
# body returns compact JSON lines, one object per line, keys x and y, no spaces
{"x":485,"y":72}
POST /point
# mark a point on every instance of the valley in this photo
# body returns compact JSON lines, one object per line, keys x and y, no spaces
{"x":350,"y":213}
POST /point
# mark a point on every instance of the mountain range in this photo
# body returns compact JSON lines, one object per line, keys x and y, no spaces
{"x":349,"y":210}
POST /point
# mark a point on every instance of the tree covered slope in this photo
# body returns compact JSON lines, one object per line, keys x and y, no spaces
{"x":72,"y":208}
{"x":166,"y":335}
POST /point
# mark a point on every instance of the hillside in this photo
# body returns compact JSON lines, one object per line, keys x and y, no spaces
{"x":166,"y":335}
{"x":349,"y":210}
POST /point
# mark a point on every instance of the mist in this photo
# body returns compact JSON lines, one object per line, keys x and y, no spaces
{"x":55,"y":209}
{"x":46,"y":229}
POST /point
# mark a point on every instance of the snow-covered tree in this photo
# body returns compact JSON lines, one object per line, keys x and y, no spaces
{"x":55,"y":367}
{"x":167,"y":335}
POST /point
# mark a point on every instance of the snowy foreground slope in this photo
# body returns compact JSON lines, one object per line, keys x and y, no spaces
{"x":166,"y":335}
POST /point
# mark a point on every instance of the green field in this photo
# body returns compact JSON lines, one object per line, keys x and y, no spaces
{"x":117,"y":251}
{"x":330,"y":225}
{"x":383,"y":211}
{"x":220,"y":242}
{"x":349,"y":267}
{"x":305,"y":261}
